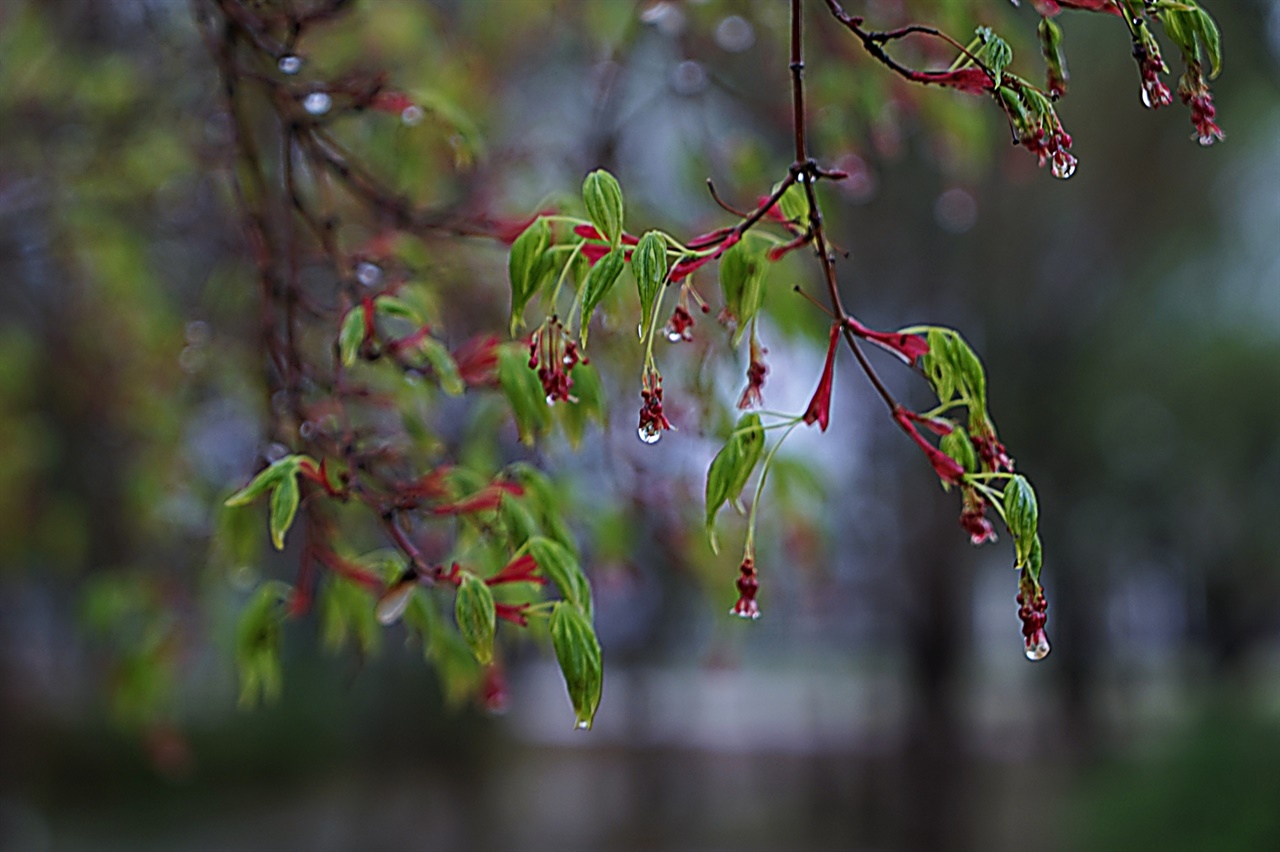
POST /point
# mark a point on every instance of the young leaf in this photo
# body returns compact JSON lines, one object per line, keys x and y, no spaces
{"x":742,"y":271}
{"x":284,"y":506}
{"x":259,"y":485}
{"x":578,"y":652}
{"x":351,"y":335}
{"x":398,"y":308}
{"x":649,"y":266}
{"x":1211,"y":39}
{"x":731,"y":468}
{"x":600,"y":280}
{"x":794,"y":204}
{"x":603,"y":198}
{"x":1021,"y":514}
{"x":476,"y":617}
{"x":956,"y":444}
{"x":258,"y":635}
{"x":560,"y":566}
{"x":525,"y":267}
{"x":445,"y":368}
{"x":995,"y":52}
{"x":523,"y":391}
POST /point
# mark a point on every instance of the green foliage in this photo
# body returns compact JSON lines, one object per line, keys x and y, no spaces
{"x":731,"y":468}
{"x":578,"y":652}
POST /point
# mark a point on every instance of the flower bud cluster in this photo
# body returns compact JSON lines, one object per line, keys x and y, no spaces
{"x":553,"y":354}
{"x":1194,"y":92}
{"x":748,"y":586}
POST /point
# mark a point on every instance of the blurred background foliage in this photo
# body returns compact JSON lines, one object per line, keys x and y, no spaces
{"x":1130,"y":323}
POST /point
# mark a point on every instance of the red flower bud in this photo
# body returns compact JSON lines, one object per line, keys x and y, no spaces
{"x":819,"y":409}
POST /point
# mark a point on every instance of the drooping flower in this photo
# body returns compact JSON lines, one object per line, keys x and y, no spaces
{"x":973,"y":518}
{"x":680,"y":326}
{"x":1033,"y":612}
{"x":553,"y":354}
{"x":756,"y":371}
{"x":819,"y":410}
{"x":1194,"y":92}
{"x":1155,"y":93}
{"x":748,"y":586}
{"x":652,"y":420}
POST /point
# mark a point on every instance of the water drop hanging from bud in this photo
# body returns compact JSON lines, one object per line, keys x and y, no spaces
{"x":1063,"y":168}
{"x":582,"y":725}
{"x":649,"y":433}
{"x":317,"y":103}
{"x":674,"y":336}
{"x":411,"y":116}
{"x":289,"y":64}
{"x":1037,"y":647}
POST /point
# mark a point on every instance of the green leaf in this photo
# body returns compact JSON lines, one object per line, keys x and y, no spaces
{"x":649,"y":266}
{"x":476,"y":617}
{"x":1211,"y":39}
{"x":446,"y":369}
{"x":523,"y":391}
{"x":600,"y":281}
{"x":956,"y":444}
{"x":731,"y":468}
{"x":603,"y":198}
{"x":995,"y":52}
{"x":525,"y":267}
{"x":1035,"y":558}
{"x":578,"y":653}
{"x":561,"y":567}
{"x":541,"y":494}
{"x":284,"y":506}
{"x":398,"y":308}
{"x":968,"y":369}
{"x":345,"y":611}
{"x":794,"y":204}
{"x":351,"y":335}
{"x":936,"y":364}
{"x":258,"y":635}
{"x":742,"y":271}
{"x":590,"y":404}
{"x":517,"y":519}
{"x":1021,"y":515}
{"x":269,"y":476}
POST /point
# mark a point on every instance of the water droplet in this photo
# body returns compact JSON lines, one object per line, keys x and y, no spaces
{"x":289,"y":64}
{"x":551,"y":400}
{"x":275,"y":452}
{"x":1146,"y":98}
{"x":640,"y":331}
{"x":750,"y":615}
{"x":582,"y":725}
{"x":1039,"y":650}
{"x":411,"y":116}
{"x":1207,"y":140}
{"x":368,"y":273}
{"x":649,"y":434}
{"x":1063,"y":168}
{"x":307,"y":430}
{"x":673,"y":335}
{"x":393,"y":604}
{"x":317,"y":103}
